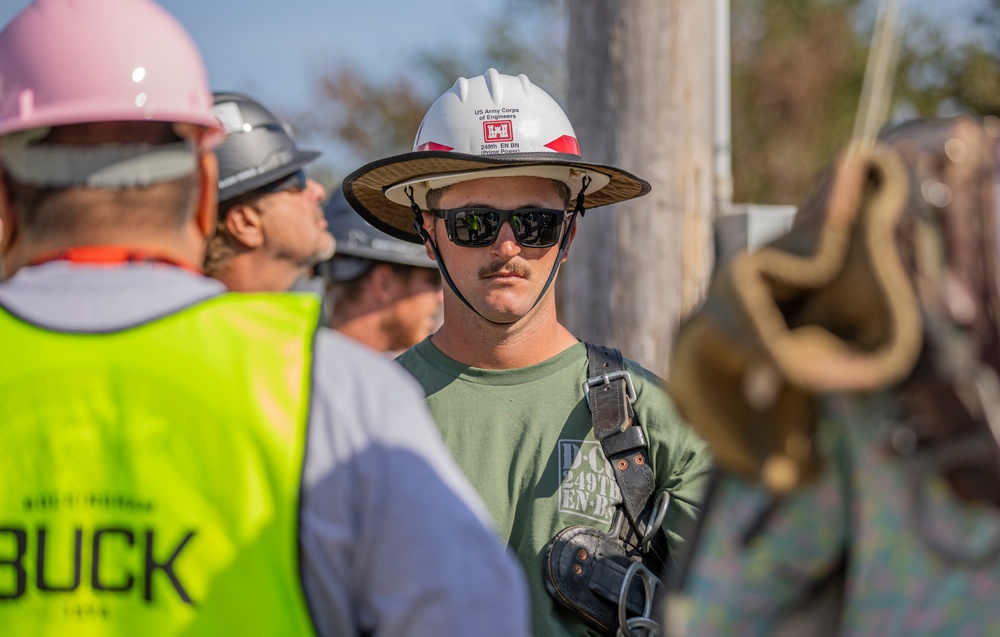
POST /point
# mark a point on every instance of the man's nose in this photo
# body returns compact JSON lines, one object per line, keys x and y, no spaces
{"x":506,"y":243}
{"x":315,"y":190}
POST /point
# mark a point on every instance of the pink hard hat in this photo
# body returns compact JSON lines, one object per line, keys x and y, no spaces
{"x":78,"y":61}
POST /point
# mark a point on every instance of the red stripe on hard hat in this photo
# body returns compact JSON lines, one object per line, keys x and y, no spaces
{"x":433,"y":146}
{"x":565,"y":144}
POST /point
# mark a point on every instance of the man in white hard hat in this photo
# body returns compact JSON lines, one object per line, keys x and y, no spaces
{"x":382,"y":291}
{"x":579,"y":454}
{"x":271,"y":230}
{"x":175,"y":460}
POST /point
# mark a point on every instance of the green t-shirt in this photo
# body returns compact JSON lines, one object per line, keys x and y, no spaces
{"x":524,"y":437}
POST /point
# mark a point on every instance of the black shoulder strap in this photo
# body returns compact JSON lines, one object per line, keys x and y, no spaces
{"x":610,"y":394}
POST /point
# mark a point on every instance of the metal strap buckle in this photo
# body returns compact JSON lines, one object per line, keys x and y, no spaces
{"x":607,"y":379}
{"x":660,"y":506}
{"x":644,"y":622}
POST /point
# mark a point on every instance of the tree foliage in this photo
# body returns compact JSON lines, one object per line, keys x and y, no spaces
{"x":797,"y":71}
{"x":797,"y":68}
{"x":940,"y":73}
{"x":376,"y":117}
{"x":371,"y":119}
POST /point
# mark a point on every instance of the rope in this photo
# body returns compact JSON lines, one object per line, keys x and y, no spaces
{"x":876,"y":91}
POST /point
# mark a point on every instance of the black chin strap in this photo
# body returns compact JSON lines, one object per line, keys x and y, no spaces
{"x":418,"y":225}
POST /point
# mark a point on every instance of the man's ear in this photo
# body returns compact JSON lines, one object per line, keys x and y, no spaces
{"x":208,"y":193}
{"x":429,"y":227}
{"x":384,"y":284}
{"x":569,"y":242}
{"x":8,"y":222}
{"x":5,"y":213}
{"x":9,"y":232}
{"x":245,"y":225}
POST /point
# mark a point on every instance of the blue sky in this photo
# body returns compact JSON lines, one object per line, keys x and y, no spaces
{"x":272,"y":49}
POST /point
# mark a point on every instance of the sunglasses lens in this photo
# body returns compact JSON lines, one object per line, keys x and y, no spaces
{"x":296,"y":182}
{"x":479,"y":227}
{"x":475,"y":228}
{"x":537,"y":228}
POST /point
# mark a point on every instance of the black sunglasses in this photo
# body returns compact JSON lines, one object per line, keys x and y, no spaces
{"x":479,"y":227}
{"x":296,"y":182}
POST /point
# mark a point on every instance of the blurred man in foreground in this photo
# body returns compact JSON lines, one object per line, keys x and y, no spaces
{"x":158,"y":474}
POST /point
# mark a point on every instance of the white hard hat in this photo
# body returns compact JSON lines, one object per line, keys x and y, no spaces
{"x":492,"y":125}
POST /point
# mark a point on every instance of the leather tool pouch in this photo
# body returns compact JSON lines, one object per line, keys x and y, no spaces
{"x":584,"y":569}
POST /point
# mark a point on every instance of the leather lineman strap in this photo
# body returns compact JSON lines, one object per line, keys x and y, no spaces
{"x":621,"y":437}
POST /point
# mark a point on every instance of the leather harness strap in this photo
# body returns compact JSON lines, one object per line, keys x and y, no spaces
{"x":610,"y":395}
{"x":610,"y":578}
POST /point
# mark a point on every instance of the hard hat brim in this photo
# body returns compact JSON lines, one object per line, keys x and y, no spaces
{"x":365,"y":188}
{"x":255,"y":181}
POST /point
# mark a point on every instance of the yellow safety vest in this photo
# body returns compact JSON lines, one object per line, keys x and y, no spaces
{"x":150,"y":477}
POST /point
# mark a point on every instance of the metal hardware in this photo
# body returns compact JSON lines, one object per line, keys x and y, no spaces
{"x":660,"y":506}
{"x":645,"y":621}
{"x":607,"y":379}
{"x":616,"y":522}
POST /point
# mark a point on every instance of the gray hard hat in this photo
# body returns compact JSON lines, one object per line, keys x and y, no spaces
{"x":259,"y":148}
{"x":359,"y":244}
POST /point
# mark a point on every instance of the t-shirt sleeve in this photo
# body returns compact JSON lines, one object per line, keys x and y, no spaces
{"x":686,"y":483}
{"x":396,"y":541}
{"x":681,"y":460}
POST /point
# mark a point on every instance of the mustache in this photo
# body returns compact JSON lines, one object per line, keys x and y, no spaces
{"x":508,"y":267}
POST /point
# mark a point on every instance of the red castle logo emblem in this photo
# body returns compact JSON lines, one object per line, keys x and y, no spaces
{"x":501,"y":130}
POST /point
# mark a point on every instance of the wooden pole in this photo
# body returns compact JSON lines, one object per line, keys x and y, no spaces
{"x":640,"y":98}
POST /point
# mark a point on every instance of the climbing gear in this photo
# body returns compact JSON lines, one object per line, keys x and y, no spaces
{"x":610,"y":579}
{"x":887,"y":282}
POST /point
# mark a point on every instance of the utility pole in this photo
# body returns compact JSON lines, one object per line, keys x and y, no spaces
{"x":640,"y":98}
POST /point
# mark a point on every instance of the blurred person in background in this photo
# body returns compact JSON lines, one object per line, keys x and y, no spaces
{"x":158,"y":474}
{"x":270,"y":230}
{"x":381,"y":291}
